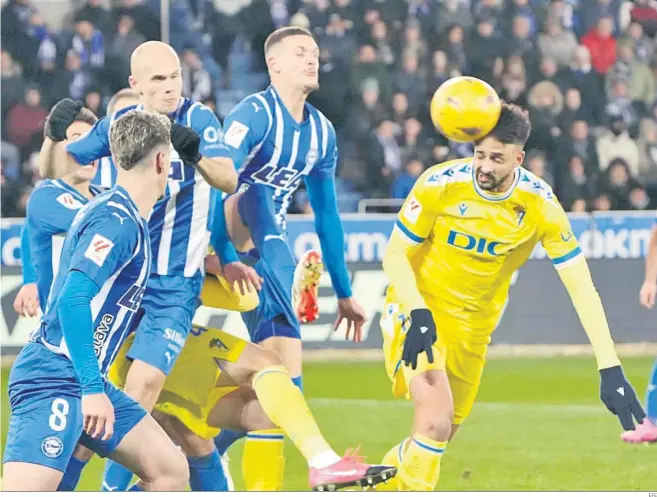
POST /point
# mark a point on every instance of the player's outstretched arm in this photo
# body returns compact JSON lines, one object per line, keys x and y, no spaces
{"x":26,"y":302}
{"x":562,"y":247}
{"x":649,"y":287}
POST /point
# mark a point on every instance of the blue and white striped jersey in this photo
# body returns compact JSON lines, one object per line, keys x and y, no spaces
{"x":268,"y":146}
{"x":105,"y":173}
{"x":108,"y":242}
{"x":179,"y":225}
{"x":51,"y":209}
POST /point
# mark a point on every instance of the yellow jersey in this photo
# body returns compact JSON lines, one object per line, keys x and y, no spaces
{"x":472,"y":241}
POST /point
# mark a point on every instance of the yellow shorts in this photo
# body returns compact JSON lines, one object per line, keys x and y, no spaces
{"x":190,"y":391}
{"x":216,"y":292}
{"x":462,"y":359}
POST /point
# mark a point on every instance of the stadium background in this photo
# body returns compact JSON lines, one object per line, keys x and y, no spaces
{"x":591,"y":98}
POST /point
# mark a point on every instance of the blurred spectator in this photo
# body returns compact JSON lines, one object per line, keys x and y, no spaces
{"x":643,"y":46}
{"x":93,"y":101}
{"x":645,"y":14}
{"x":574,"y":109}
{"x":384,"y":156}
{"x":484,"y":51}
{"x":545,"y":103}
{"x":601,"y":45}
{"x":455,"y":49}
{"x":12,"y":86}
{"x":74,"y":81}
{"x":637,"y":76}
{"x":197,"y":83}
{"x":557,"y":43}
{"x":440,"y":71}
{"x":647,"y":144}
{"x":368,"y":110}
{"x":591,"y":11}
{"x":147,"y":22}
{"x":25,"y":121}
{"x":127,"y":38}
{"x":618,"y":182}
{"x":333,"y":96}
{"x":410,"y":80}
{"x":400,"y":111}
{"x":582,"y":76}
{"x":14,"y":33}
{"x":576,"y":186}
{"x":403,"y":183}
{"x":413,"y":43}
{"x":518,"y":8}
{"x":514,"y":82}
{"x":414,"y":142}
{"x":339,"y":40}
{"x":452,"y":13}
{"x":521,"y":43}
{"x":619,"y":104}
{"x":94,"y":11}
{"x":579,"y":142}
{"x":380,"y":39}
{"x":536,"y":162}
{"x":368,"y":66}
{"x":602,"y":203}
{"x":615,"y":143}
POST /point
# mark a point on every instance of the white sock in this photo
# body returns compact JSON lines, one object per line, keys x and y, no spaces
{"x":324,"y":459}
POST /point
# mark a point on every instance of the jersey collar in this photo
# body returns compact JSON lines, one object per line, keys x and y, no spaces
{"x":290,"y":119}
{"x":500,"y":196}
{"x":63,"y":184}
{"x":174,"y":115}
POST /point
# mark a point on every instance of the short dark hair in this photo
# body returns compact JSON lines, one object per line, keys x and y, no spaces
{"x":513,"y":126}
{"x":282,"y":33}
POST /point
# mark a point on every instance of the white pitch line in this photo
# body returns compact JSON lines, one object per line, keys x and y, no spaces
{"x":494,"y":406}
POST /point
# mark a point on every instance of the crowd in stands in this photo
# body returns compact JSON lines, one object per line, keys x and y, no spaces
{"x":585,"y":69}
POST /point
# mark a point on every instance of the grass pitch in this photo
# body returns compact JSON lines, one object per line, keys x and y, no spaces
{"x":537,"y":425}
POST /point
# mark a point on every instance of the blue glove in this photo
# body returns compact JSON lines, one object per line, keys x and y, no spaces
{"x":420,"y":337}
{"x":618,"y":395}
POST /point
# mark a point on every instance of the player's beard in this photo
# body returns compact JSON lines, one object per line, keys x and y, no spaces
{"x":494,"y":184}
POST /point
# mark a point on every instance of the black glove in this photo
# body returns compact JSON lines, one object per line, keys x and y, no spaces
{"x":61,"y":116}
{"x":186,"y":141}
{"x":420,"y":337}
{"x":619,"y":397}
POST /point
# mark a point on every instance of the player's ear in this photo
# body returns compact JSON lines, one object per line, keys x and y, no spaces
{"x":520,"y":157}
{"x":133,"y":83}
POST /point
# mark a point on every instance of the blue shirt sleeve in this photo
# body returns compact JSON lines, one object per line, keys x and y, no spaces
{"x":92,"y":146}
{"x":74,"y":312}
{"x":323,"y":200}
{"x":207,"y":125}
{"x":104,"y":244}
{"x":26,"y":257}
{"x":52,"y":210}
{"x":327,"y":164}
{"x":244,"y":128}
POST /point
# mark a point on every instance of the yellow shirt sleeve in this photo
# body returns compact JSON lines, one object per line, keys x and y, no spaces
{"x":414,"y":224}
{"x":562,"y":247}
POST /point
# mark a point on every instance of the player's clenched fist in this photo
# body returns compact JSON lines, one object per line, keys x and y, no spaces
{"x":26,"y":302}
{"x":98,"y":414}
{"x":61,"y":117}
{"x":186,"y":142}
{"x":619,"y":397}
{"x":647,"y":294}
{"x":420,"y":337}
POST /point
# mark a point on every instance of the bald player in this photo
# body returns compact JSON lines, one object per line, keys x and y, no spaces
{"x":178,"y":226}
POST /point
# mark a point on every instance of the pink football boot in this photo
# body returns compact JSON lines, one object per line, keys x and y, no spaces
{"x":645,"y":432}
{"x":350,"y":471}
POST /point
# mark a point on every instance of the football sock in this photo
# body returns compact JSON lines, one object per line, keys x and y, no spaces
{"x":206,"y":474}
{"x":392,"y":458}
{"x":258,"y":213}
{"x":285,"y":405}
{"x":420,"y":464}
{"x":651,"y":397}
{"x":226,"y":438}
{"x":71,"y":475}
{"x":116,"y":477}
{"x":263,"y":463}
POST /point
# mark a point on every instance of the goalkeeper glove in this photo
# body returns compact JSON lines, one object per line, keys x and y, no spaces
{"x":61,"y":116}
{"x":420,"y":337}
{"x":618,"y":395}
{"x":186,"y":142}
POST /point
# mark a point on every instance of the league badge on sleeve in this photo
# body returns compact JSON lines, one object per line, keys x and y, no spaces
{"x":98,"y":249}
{"x":69,"y":201}
{"x":412,"y":210}
{"x":235,"y":134}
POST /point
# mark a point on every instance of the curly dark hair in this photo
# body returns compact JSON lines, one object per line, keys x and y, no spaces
{"x":513,"y":126}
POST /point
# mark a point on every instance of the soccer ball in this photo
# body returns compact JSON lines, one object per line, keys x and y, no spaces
{"x":465,"y":109}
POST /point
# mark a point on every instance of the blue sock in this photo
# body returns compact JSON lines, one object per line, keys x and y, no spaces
{"x":226,"y":438}
{"x":298,"y":381}
{"x":71,"y":475}
{"x":206,"y":474}
{"x":116,"y":477}
{"x":651,"y":397}
{"x":258,"y":213}
{"x":136,"y":488}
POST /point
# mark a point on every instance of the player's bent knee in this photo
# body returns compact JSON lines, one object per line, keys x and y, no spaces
{"x":144,"y":383}
{"x":175,"y":476}
{"x":434,"y":407}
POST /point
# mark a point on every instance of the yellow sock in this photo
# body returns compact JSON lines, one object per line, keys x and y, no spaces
{"x":263,"y":463}
{"x":392,"y":458}
{"x":285,"y":405}
{"x":420,"y":464}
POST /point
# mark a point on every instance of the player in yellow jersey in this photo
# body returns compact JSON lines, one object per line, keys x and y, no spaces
{"x":466,"y":227}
